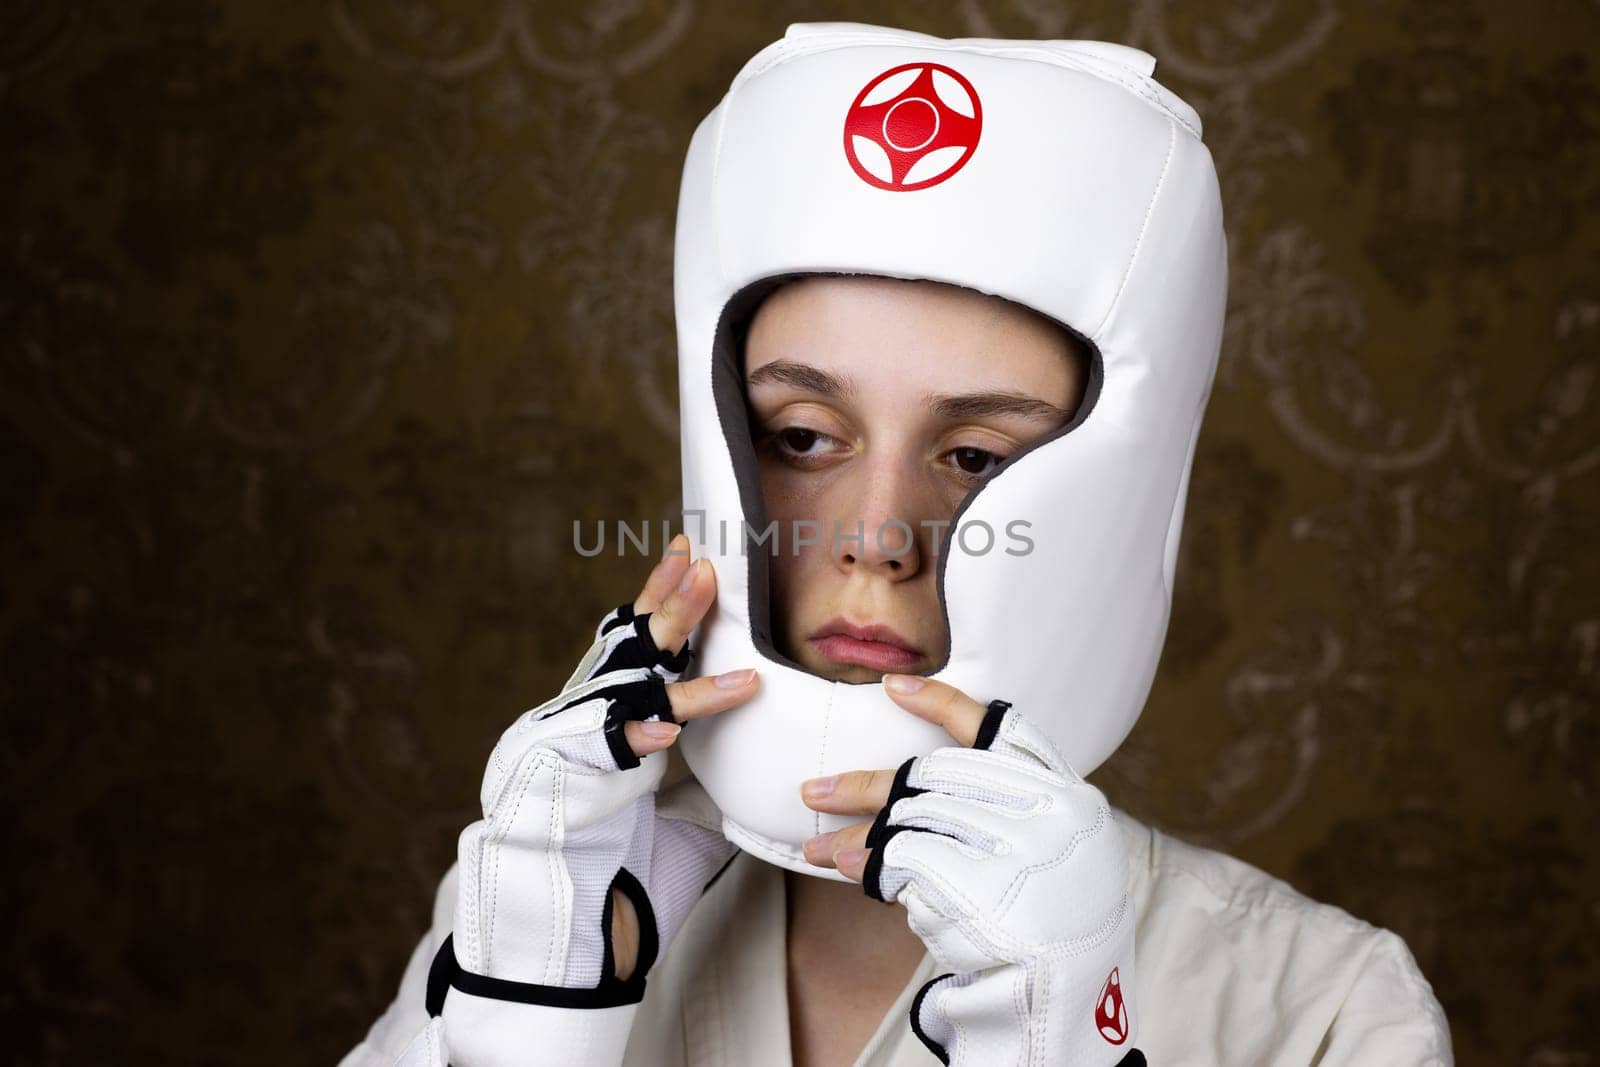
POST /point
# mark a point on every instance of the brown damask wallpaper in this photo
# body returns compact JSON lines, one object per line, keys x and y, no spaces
{"x":320,"y":322}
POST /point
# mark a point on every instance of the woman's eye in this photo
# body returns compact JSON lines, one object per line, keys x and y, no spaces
{"x":975,"y":461}
{"x":799,"y":440}
{"x":800,"y":446}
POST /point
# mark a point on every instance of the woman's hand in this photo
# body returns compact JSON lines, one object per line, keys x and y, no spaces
{"x":867,"y":792}
{"x":676,"y":596}
{"x":1013,"y":873}
{"x":574,"y":880}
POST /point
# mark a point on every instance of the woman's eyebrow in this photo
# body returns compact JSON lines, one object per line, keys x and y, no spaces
{"x":944,"y":406}
{"x":804,"y":377}
{"x":982,"y":405}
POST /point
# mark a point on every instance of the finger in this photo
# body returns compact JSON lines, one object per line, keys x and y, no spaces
{"x":647,"y":737}
{"x":684,"y":607}
{"x":820,"y":850}
{"x":941,"y":704}
{"x":851,"y":793}
{"x":851,"y":862}
{"x":664,"y":577}
{"x":701,"y":697}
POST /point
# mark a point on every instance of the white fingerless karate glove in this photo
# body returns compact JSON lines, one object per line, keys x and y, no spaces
{"x":1014,"y":875}
{"x":527,"y":974}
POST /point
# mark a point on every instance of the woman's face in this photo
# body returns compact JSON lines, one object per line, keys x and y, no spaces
{"x":882,"y":402}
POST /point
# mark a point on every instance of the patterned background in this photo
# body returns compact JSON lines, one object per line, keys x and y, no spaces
{"x":320,"y":322}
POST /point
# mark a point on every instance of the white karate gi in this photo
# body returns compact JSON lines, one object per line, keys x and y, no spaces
{"x":1235,"y":968}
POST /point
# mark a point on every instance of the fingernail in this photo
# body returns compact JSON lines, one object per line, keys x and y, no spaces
{"x":818,"y":846}
{"x":904,"y":683}
{"x":660,"y":730}
{"x":734,"y":679}
{"x":688,"y":577}
{"x":817,"y":788}
{"x":849,"y":857}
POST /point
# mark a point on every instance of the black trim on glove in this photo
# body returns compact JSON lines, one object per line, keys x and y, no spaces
{"x":641,"y":650}
{"x":632,"y":702}
{"x":639,"y":700}
{"x":649,"y":937}
{"x":446,"y":972}
{"x":989,"y":729}
{"x":916,"y":1018}
{"x":882,"y":831}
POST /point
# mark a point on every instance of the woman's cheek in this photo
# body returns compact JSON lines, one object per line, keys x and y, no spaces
{"x":790,"y":489}
{"x":792,"y":497}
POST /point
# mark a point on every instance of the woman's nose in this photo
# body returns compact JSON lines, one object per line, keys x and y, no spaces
{"x":884,"y":529}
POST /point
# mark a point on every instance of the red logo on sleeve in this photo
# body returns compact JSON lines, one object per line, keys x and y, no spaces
{"x":912,"y":127}
{"x":1110,"y":1014}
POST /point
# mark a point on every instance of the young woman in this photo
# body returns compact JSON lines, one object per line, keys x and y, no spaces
{"x":886,"y":714}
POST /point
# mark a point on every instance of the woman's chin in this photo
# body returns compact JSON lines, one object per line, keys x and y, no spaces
{"x":854,"y":672}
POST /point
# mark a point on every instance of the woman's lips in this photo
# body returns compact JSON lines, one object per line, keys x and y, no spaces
{"x":878,"y":647}
{"x":875,"y":654}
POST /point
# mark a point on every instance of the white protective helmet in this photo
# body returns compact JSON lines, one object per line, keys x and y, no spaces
{"x":1056,"y":174}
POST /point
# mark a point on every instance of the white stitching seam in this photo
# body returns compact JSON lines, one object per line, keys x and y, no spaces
{"x":1144,"y":228}
{"x":822,"y":751}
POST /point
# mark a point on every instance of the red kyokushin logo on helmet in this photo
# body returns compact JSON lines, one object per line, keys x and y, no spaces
{"x":912,"y":126}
